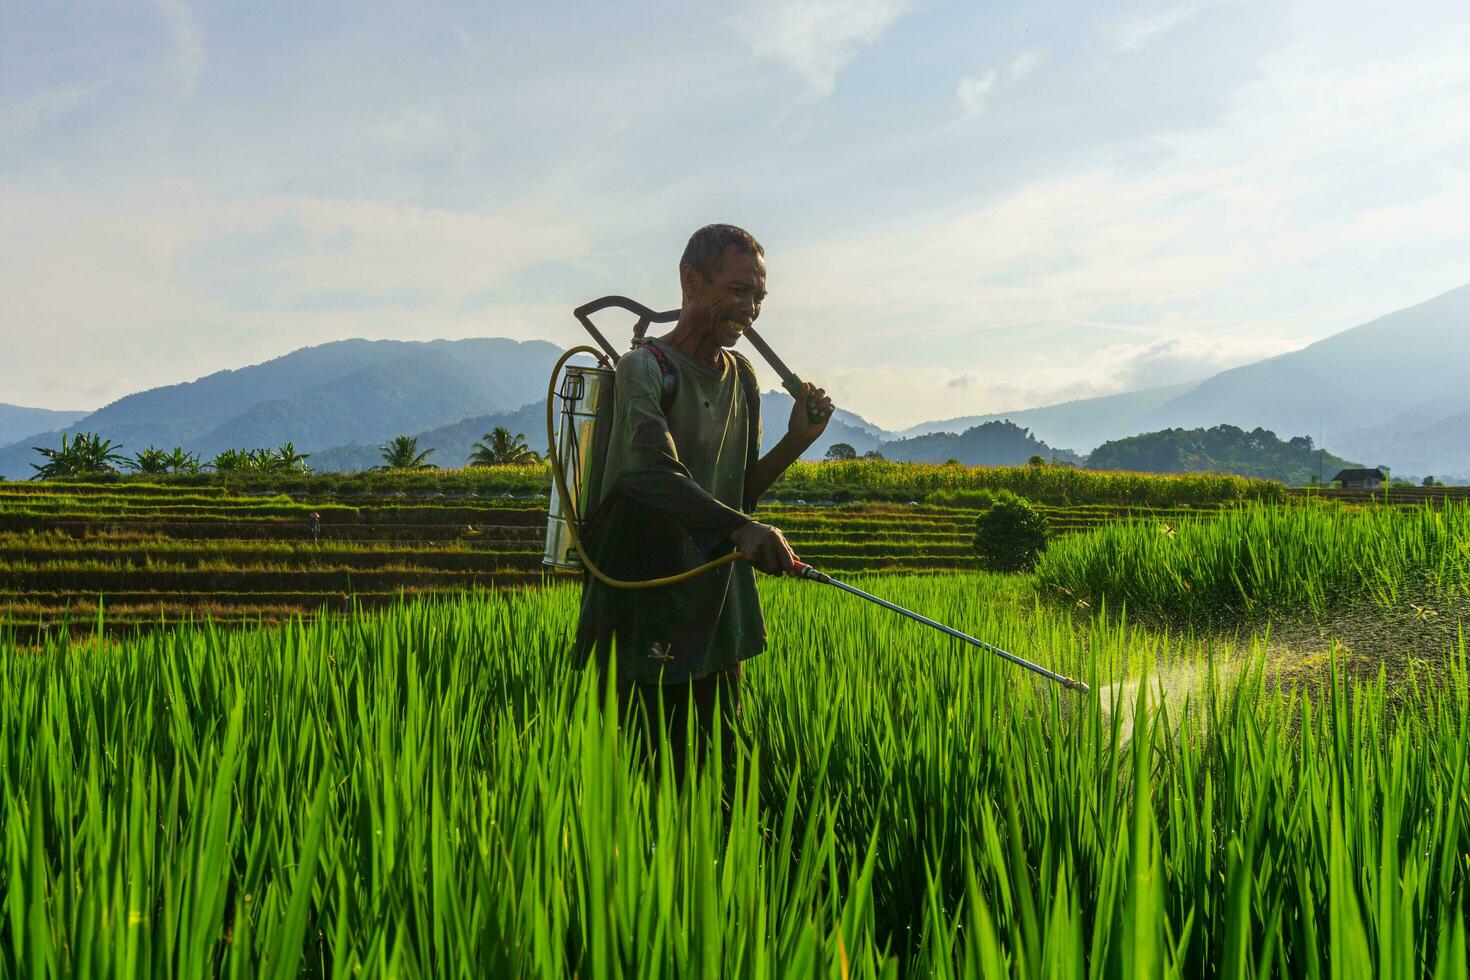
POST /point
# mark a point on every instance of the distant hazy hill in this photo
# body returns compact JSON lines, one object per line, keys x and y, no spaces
{"x":1220,"y":449}
{"x":1440,"y":449}
{"x":17,"y":423}
{"x":452,"y":443}
{"x":845,"y":426}
{"x":318,"y":397}
{"x":1079,"y":425}
{"x":988,"y":444}
{"x":1389,"y":391}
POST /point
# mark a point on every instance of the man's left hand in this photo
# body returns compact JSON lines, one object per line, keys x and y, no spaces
{"x":801,"y":425}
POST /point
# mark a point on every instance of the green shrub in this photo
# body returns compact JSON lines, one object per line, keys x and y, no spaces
{"x":1011,"y":535}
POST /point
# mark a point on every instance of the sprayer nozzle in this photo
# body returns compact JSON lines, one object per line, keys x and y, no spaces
{"x":1077,"y":686}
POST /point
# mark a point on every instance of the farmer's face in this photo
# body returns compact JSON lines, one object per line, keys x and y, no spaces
{"x":731,"y":300}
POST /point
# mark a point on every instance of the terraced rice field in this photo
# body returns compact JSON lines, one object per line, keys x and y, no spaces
{"x":152,"y":553}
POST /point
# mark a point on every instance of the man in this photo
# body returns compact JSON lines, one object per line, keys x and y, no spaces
{"x":683,"y":473}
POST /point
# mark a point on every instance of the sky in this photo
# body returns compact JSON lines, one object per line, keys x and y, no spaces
{"x":966,"y":207}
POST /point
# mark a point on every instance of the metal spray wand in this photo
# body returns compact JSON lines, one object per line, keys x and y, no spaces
{"x":806,"y":571}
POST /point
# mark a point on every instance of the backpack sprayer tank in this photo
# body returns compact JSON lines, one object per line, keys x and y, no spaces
{"x":586,"y":410}
{"x":580,"y":442}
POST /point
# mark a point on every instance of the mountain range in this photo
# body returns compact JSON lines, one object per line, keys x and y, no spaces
{"x":1080,"y":425}
{"x":1389,"y":391}
{"x":318,"y":397}
{"x":17,"y":422}
{"x":1392,"y":390}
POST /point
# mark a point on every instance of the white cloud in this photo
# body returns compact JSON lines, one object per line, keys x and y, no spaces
{"x":22,"y":114}
{"x":1137,"y":31}
{"x":176,"y":280}
{"x":411,"y":128}
{"x":896,"y":396}
{"x":1187,"y":357}
{"x":816,"y":38}
{"x":188,"y":41}
{"x":972,"y":92}
{"x":1264,"y":232}
{"x":1024,"y":64}
{"x":975,"y":91}
{"x":467,"y":43}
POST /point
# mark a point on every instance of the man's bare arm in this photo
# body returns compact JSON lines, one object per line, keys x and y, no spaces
{"x":801,"y":432}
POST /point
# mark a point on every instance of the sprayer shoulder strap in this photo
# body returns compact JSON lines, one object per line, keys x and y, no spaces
{"x":749,"y":390}
{"x":670,"y":386}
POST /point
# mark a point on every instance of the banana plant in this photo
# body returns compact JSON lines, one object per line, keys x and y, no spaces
{"x":229,"y":461}
{"x":179,"y":461}
{"x":150,"y":461}
{"x":88,"y":454}
{"x":287,"y":458}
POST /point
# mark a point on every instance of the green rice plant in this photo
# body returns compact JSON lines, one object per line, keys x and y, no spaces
{"x":1263,"y":558}
{"x":436,"y":790}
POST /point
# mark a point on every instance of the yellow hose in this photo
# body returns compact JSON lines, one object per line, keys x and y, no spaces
{"x":559,"y":478}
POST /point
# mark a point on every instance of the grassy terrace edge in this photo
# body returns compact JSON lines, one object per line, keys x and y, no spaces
{"x":876,"y":480}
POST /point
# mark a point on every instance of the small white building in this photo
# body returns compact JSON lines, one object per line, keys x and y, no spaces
{"x":1360,"y":479}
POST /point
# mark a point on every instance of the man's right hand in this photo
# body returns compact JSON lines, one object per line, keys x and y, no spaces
{"x":765,"y":548}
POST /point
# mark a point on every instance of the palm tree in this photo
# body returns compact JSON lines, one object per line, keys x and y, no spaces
{"x":87,"y":454}
{"x":500,"y":448}
{"x":403,"y":454}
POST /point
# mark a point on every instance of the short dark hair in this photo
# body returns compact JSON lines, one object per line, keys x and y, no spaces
{"x":706,"y":250}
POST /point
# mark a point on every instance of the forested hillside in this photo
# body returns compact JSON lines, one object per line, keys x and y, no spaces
{"x":1220,"y":449}
{"x":990,"y":444}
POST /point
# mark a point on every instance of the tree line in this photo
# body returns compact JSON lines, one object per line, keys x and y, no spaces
{"x":88,"y":454}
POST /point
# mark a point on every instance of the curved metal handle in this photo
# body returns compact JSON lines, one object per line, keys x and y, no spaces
{"x":789,"y":380}
{"x":645,"y":317}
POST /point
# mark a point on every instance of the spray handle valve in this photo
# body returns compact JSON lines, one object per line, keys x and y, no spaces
{"x":801,"y":569}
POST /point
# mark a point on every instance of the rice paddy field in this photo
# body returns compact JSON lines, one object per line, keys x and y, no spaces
{"x":1253,"y":787}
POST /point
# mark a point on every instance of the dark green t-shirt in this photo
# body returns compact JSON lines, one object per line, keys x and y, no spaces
{"x":673,"y":491}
